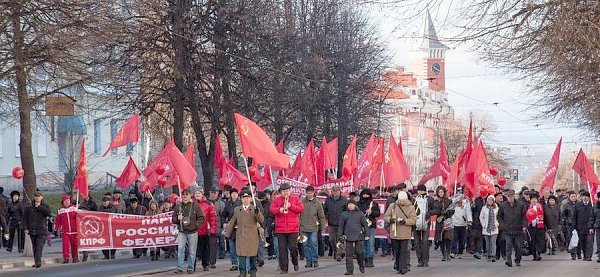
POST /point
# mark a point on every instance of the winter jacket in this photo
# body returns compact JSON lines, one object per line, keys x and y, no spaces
{"x":140,"y":210}
{"x":334,"y":208}
{"x":512,"y":217}
{"x":398,"y":211}
{"x":66,"y":220}
{"x":365,"y":203}
{"x":192,"y":211}
{"x":219,"y":208}
{"x":229,"y":210}
{"x":88,"y":205}
{"x":462,"y":216}
{"x":476,"y":207}
{"x":551,"y":217}
{"x":594,"y":220}
{"x":110,"y":209}
{"x":484,"y":219}
{"x":286,"y":223}
{"x":353,"y":225}
{"x":243,"y":223}
{"x":582,"y":215}
{"x":568,"y":214}
{"x":425,"y":205}
{"x":441,"y":210}
{"x":313,"y":217}
{"x":209,"y":227}
{"x":35,"y":219}
{"x":3,"y":216}
{"x":14,"y":214}
{"x":269,"y":218}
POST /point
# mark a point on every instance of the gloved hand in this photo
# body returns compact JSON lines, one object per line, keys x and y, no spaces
{"x":255,"y":210}
{"x":400,"y":221}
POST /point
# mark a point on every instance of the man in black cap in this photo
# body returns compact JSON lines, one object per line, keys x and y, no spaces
{"x":107,"y":207}
{"x":312,"y":221}
{"x":335,"y":205}
{"x":286,"y":208}
{"x":583,"y":211}
{"x":136,"y":209}
{"x":353,"y":231}
{"x":570,"y":220}
{"x":594,"y":224}
{"x":34,"y":224}
{"x":511,"y":217}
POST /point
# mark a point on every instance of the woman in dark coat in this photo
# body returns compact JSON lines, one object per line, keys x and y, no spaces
{"x":443,"y":209}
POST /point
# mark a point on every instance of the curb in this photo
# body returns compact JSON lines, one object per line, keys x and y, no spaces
{"x":47,"y":261}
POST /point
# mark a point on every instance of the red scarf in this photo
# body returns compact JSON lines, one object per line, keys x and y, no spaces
{"x":540,"y":215}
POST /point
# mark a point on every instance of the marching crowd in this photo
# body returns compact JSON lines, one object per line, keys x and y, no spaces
{"x":254,"y":226}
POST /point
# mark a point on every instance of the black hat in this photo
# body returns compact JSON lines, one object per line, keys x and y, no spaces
{"x":268,"y":191}
{"x":227,"y":188}
{"x":510,"y":192}
{"x":401,"y":186}
{"x":310,"y":188}
{"x":15,"y":192}
{"x":284,"y":186}
{"x":421,"y":187}
{"x":394,"y":188}
{"x":117,"y":191}
{"x":553,"y":197}
{"x":351,"y":201}
{"x":245,"y":193}
{"x":261,"y":195}
{"x":133,"y":200}
{"x":214,"y":189}
{"x":186,"y":191}
{"x":585,"y":193}
{"x":534,"y":195}
{"x":232,"y":190}
{"x":374,"y":191}
{"x":353,"y":194}
{"x":105,"y":198}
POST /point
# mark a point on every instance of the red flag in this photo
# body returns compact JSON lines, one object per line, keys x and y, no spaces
{"x":233,"y":177}
{"x":331,"y":160}
{"x":454,"y":173}
{"x":551,"y":170}
{"x":129,"y":175}
{"x":586,"y":173}
{"x":162,"y":159}
{"x":349,"y":162}
{"x":263,"y":178}
{"x":396,"y":169}
{"x":175,"y":165}
{"x":307,"y":165}
{"x":257,"y":144}
{"x":129,"y":132}
{"x":378,"y":161}
{"x":478,"y":171}
{"x":440,"y":167}
{"x":321,"y":161}
{"x":81,"y":177}
{"x":400,"y":145}
{"x":187,"y":174}
{"x":189,"y":155}
{"x":365,"y":161}
{"x":219,"y":158}
{"x":280,"y":147}
{"x":295,"y":169}
{"x":469,"y":148}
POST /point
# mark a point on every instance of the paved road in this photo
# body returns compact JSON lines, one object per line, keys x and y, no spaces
{"x":559,"y":265}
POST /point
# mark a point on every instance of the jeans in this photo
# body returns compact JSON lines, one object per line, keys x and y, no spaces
{"x":402,"y":251}
{"x":261,"y":249}
{"x":244,"y":267}
{"x":422,"y":246}
{"x":370,"y":244}
{"x":276,"y":246}
{"x":311,"y":247}
{"x":221,"y":246}
{"x":384,"y":245}
{"x":233,"y":252}
{"x":458,"y":241}
{"x":354,"y":247}
{"x":192,"y":242}
{"x":516,"y":242}
{"x":490,"y":246}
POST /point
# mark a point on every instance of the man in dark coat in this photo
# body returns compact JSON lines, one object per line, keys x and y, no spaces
{"x":371,"y":210}
{"x":136,"y":209}
{"x":583,"y":211}
{"x":353,"y":229}
{"x":511,"y":217}
{"x":475,"y":235}
{"x":568,"y":214}
{"x":551,"y":221}
{"x":334,"y":206}
{"x":14,"y":217}
{"x":35,"y":220}
{"x":594,"y":223}
{"x":108,"y":207}
{"x":232,"y":203}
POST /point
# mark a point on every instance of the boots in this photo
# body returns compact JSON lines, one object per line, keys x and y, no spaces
{"x":157,"y":254}
{"x":153,"y":255}
{"x":369,"y":262}
{"x":85,"y":256}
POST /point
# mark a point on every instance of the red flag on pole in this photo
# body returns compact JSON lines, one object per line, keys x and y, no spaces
{"x":294,"y":171}
{"x":321,"y":161}
{"x":81,"y":177}
{"x":396,"y":169}
{"x":129,"y":175}
{"x":175,"y":165}
{"x":232,"y":177}
{"x":331,"y":160}
{"x":454,"y":173}
{"x":129,"y":132}
{"x":440,"y":167}
{"x":307,"y":165}
{"x":365,"y":161}
{"x":280,"y":147}
{"x":349,"y":162}
{"x":586,"y":173}
{"x":189,"y":155}
{"x":187,"y":174}
{"x":378,"y":161}
{"x":263,"y":177}
{"x":552,"y":169}
{"x":478,"y":171}
{"x":257,"y":144}
{"x":219,"y":158}
{"x":162,"y":159}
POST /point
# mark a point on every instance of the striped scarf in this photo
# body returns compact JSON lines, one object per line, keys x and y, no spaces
{"x":490,"y":225}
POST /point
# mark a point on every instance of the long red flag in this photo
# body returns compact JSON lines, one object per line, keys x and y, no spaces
{"x":129,"y":132}
{"x":552,"y":169}
{"x":440,"y":167}
{"x":219,"y":158}
{"x":81,"y":177}
{"x":395,"y":169}
{"x":365,"y":161}
{"x":189,"y":155}
{"x":129,"y":175}
{"x":586,"y":173}
{"x":307,"y":164}
{"x":257,"y":144}
{"x":349,"y":162}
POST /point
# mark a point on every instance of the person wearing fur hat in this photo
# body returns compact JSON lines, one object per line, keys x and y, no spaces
{"x":286,"y":209}
{"x":353,"y":231}
{"x":371,"y":210}
{"x":489,"y":226}
{"x":233,"y":202}
{"x":444,"y":210}
{"x":423,"y":225}
{"x":14,"y":216}
{"x":552,"y":221}
{"x":400,"y":217}
{"x":153,"y":209}
{"x":66,"y":222}
{"x":583,"y":211}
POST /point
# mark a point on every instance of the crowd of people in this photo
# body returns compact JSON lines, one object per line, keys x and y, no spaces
{"x":254,"y":226}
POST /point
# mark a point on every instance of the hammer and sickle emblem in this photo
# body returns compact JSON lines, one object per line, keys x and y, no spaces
{"x":245,"y":129}
{"x":345,"y":157}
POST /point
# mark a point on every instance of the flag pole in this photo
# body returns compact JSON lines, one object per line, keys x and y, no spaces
{"x":249,"y":180}
{"x":76,"y":201}
{"x":381,"y":182}
{"x":455,"y":184}
{"x":272,"y":180}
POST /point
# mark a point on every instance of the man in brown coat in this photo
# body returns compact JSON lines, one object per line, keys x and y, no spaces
{"x":245,"y":221}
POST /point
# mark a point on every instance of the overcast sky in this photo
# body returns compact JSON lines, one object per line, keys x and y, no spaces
{"x":473,"y":86}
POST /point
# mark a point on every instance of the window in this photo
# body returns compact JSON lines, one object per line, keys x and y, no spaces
{"x":42,"y":140}
{"x":98,"y":137}
{"x":17,"y":141}
{"x":113,"y":132}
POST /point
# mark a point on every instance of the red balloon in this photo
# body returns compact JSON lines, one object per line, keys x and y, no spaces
{"x":161,"y":169}
{"x":223,"y":182}
{"x":18,"y":173}
{"x":501,"y":181}
{"x":173,"y":198}
{"x":493,"y":171}
{"x":162,"y":182}
{"x":531,"y":214}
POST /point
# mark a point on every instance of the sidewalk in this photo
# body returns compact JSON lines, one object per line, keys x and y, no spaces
{"x":52,"y":255}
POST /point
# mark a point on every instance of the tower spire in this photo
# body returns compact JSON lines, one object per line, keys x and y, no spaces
{"x":429,"y":38}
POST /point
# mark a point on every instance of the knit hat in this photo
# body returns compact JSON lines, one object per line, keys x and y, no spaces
{"x":64,"y":197}
{"x":491,"y":197}
{"x":402,"y":195}
{"x":421,"y":187}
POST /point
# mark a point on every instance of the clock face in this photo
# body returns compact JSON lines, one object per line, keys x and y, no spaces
{"x":436,"y":68}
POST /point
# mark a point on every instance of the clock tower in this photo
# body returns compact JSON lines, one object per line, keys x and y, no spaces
{"x":427,"y":59}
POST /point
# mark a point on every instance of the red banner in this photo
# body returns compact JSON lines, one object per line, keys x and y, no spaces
{"x":100,"y":231}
